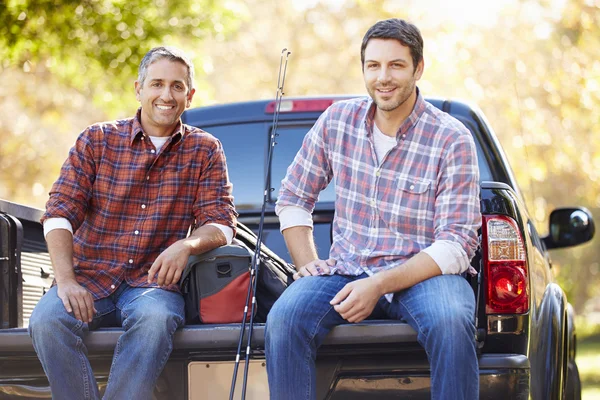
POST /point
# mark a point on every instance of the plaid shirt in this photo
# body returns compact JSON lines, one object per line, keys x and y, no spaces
{"x":426,"y":188}
{"x":127,"y":203}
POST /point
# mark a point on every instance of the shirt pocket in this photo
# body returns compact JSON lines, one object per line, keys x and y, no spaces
{"x":414,"y":186}
{"x":408,"y":210}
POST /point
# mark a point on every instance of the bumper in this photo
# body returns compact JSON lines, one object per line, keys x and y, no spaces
{"x":502,"y":376}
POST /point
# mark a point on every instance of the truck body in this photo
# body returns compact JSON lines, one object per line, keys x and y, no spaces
{"x":526,"y":336}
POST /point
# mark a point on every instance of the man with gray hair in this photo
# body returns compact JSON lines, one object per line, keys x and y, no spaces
{"x":116,"y":225}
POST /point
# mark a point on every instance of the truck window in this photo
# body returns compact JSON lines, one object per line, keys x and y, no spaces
{"x":245,"y":147}
{"x":289,"y":142}
{"x":245,"y":150}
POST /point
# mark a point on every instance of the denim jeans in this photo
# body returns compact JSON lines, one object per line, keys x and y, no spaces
{"x":440,"y":309}
{"x":149,"y":317}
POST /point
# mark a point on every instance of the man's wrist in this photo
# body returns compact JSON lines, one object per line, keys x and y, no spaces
{"x":379,"y":281}
{"x":65,"y":279}
{"x":189,"y":244}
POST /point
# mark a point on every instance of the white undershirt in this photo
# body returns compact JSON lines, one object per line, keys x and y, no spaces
{"x":449,"y":256}
{"x":158,"y":141}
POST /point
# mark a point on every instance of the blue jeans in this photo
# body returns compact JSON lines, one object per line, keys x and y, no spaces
{"x":149,"y":316}
{"x":440,"y":309}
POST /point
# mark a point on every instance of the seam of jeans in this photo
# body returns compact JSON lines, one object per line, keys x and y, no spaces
{"x":167,"y":353}
{"x":114,"y":360}
{"x":77,"y":326}
{"x":421,"y":331}
{"x":125,"y":320}
{"x":311,"y":338}
{"x":83,"y":360}
{"x":105,"y":312}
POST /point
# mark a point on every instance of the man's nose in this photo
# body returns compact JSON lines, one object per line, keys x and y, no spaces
{"x":384,"y":75}
{"x":166,"y":94}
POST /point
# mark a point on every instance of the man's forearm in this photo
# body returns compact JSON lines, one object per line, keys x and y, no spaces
{"x":60,"y":247}
{"x":205,"y":238}
{"x":300,"y":244}
{"x":417,"y":269}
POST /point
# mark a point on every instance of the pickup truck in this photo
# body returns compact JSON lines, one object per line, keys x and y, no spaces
{"x":525,"y":327}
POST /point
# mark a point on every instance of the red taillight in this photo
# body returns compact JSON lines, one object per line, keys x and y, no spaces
{"x":306,"y":105}
{"x":505,"y":266}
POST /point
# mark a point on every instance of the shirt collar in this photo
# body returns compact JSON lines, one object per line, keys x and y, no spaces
{"x":137,"y":130}
{"x":418,"y":110}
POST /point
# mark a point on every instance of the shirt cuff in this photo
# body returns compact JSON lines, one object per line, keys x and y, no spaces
{"x":227,"y":231}
{"x":290,"y":216}
{"x":449,"y":256}
{"x":57,"y":223}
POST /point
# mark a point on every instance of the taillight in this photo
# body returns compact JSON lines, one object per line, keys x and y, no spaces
{"x":505,"y":266}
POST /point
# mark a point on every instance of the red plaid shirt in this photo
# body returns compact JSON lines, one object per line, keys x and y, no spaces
{"x":127,"y":202}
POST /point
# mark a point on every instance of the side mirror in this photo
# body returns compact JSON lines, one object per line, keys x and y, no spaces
{"x":569,"y":227}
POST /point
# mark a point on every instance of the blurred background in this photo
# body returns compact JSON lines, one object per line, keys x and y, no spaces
{"x":533,"y":67}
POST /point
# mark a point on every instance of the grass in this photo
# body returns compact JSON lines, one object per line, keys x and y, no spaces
{"x":588,"y":362}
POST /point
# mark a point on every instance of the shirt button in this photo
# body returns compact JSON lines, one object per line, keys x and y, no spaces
{"x":378,"y":173}
{"x":148,"y":178}
{"x":373,"y":203}
{"x":143,"y":206}
{"x":412,"y":187}
{"x":403,"y":136}
{"x":137,"y":232}
{"x":130,"y":261}
{"x":152,"y":151}
{"x":113,"y":286}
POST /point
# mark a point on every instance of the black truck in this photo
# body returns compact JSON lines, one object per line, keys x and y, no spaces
{"x":525,"y":328}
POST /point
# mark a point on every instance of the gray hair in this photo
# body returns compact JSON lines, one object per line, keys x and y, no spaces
{"x":171,"y":54}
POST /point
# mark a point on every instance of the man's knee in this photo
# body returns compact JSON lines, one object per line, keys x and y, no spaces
{"x":155,"y":320}
{"x":453,"y":324}
{"x":298,"y":310}
{"x":49,"y":317}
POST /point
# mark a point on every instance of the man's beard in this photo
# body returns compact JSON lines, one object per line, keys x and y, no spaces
{"x":393,"y":103}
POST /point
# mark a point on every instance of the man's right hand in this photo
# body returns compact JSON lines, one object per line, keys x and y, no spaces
{"x":77,"y":300}
{"x":315,"y":268}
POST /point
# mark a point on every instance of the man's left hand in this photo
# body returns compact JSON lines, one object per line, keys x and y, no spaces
{"x":357,"y":299}
{"x":169,"y":265}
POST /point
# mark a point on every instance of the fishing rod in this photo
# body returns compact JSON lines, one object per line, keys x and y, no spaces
{"x":283,"y":61}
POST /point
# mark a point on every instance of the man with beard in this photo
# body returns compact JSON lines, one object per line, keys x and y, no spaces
{"x":405,"y":227}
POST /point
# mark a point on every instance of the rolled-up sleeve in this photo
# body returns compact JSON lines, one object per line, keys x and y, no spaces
{"x":214,"y":199}
{"x":71,"y":193}
{"x":457,"y":207}
{"x":310,"y":172}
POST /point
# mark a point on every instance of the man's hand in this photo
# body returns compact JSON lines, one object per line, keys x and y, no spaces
{"x":77,"y":300}
{"x":169,"y":265}
{"x":357,"y":299}
{"x":315,"y":268}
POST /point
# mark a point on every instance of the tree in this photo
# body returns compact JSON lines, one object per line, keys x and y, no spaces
{"x":95,"y":46}
{"x":66,"y":64}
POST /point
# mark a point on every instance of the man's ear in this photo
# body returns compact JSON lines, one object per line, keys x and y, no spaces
{"x":190,"y":96}
{"x":138,"y":87}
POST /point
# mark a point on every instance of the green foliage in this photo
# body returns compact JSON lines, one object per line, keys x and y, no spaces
{"x":95,"y":46}
{"x":67,"y":64}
